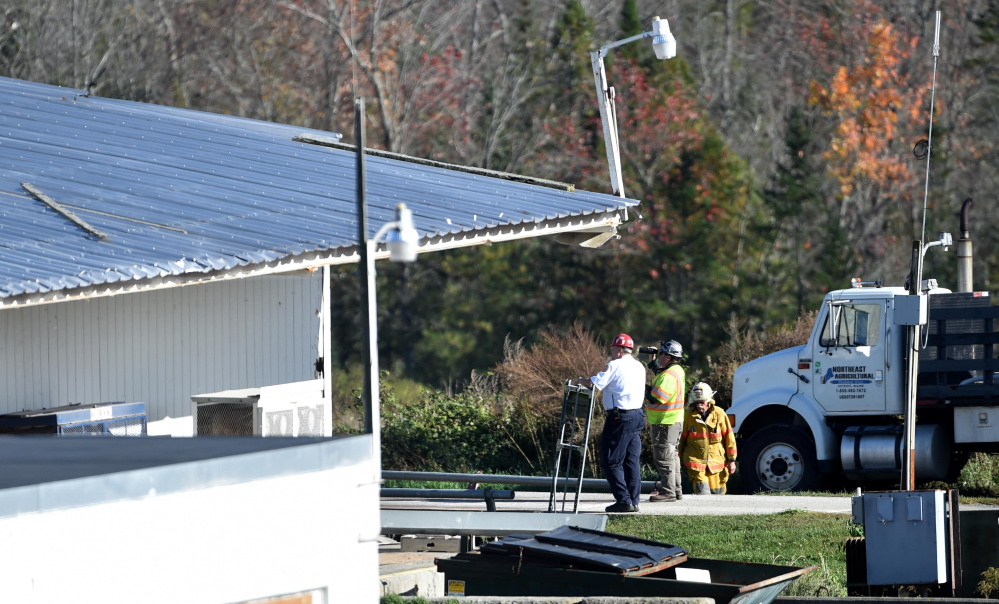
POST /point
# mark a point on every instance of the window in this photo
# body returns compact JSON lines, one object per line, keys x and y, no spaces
{"x":850,"y":324}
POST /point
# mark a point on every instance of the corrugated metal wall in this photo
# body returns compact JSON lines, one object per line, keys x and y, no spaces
{"x":161,"y":347}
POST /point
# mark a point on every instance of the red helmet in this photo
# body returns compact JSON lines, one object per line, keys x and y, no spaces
{"x":624,"y":341}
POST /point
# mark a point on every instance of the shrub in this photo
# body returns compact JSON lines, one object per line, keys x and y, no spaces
{"x":347,"y":396}
{"x":441,"y":433}
{"x":980,"y":476}
{"x":348,"y":406}
{"x":397,"y":599}
{"x":989,"y":585}
{"x":818,"y":583}
{"x":538,"y":375}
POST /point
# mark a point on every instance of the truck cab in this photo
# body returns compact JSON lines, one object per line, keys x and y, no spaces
{"x":834,"y":403}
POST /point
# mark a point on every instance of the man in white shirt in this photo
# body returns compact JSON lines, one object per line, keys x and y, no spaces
{"x":623,"y":386}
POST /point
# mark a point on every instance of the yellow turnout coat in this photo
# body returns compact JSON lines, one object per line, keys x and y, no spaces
{"x":706,"y":445}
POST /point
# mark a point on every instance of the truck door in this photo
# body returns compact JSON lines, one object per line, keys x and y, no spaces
{"x":849,"y":357}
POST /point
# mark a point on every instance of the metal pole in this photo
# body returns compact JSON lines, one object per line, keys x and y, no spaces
{"x":590,"y":484}
{"x":915,"y":288}
{"x":608,"y":120}
{"x":369,"y":326}
{"x":912,"y":371}
{"x":929,"y":138}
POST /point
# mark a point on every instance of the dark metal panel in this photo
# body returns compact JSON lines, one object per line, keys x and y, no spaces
{"x":591,"y":549}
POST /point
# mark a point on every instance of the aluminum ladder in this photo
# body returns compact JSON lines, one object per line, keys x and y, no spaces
{"x":570,"y":450}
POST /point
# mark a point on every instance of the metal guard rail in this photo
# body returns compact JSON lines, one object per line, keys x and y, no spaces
{"x":590,"y":484}
{"x":489,"y":495}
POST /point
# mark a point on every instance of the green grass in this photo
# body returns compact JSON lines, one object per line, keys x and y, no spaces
{"x":792,"y":538}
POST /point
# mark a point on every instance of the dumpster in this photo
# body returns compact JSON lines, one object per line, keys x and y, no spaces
{"x":573,"y":561}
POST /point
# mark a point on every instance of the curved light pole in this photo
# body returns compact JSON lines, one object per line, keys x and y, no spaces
{"x":403,"y":242}
{"x":664,"y":44}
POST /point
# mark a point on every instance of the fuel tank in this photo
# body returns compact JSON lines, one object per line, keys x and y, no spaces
{"x":876,"y":452}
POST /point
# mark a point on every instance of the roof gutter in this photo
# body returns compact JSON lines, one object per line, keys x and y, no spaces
{"x":602,"y":222}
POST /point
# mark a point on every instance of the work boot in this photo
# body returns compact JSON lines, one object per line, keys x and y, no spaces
{"x":679,"y":495}
{"x":621,"y":507}
{"x":662,"y":498}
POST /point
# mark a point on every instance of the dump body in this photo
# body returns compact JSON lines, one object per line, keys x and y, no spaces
{"x":736,"y":582}
{"x":572,"y":561}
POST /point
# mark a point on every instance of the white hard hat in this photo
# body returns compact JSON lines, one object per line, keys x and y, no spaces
{"x":701,"y":393}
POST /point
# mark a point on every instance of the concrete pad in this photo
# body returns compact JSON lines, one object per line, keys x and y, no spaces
{"x":409,"y":573}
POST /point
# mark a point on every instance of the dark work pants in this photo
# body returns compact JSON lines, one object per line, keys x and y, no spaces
{"x":620,"y":449}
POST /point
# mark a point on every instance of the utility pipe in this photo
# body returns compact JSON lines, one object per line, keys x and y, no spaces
{"x":590,"y":484}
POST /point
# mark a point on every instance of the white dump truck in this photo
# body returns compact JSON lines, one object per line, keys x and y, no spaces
{"x":835,"y":406}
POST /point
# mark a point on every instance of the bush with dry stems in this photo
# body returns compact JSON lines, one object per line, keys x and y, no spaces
{"x":534,"y":382}
{"x":538,"y":374}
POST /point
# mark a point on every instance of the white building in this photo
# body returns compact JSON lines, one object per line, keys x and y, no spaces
{"x":151,"y":253}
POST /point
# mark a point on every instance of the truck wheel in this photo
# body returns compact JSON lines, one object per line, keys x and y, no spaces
{"x":780,"y":458}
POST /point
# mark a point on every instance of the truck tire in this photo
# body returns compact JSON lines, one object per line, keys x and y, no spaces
{"x":780,"y":458}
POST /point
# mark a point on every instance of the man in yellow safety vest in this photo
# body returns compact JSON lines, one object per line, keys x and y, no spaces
{"x":664,"y":412}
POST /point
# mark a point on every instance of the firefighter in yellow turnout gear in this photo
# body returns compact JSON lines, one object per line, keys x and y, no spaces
{"x":707,"y":444}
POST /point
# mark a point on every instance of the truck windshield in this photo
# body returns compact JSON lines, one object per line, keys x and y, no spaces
{"x":852,"y":325}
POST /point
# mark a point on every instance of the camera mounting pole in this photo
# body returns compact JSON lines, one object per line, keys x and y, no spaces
{"x":664,"y":45}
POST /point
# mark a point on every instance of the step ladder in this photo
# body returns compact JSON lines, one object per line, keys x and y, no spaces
{"x":570,"y":450}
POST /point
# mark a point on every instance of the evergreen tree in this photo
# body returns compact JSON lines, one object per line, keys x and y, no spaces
{"x":572,"y":42}
{"x":630,"y":26}
{"x":793,"y":192}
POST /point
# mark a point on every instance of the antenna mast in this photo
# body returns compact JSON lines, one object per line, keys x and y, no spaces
{"x":929,"y":140}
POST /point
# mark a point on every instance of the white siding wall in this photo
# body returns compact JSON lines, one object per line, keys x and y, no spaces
{"x":234,"y":543}
{"x":161,"y":347}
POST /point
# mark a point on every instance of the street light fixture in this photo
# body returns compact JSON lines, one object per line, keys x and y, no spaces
{"x":944,"y":239}
{"x":403,"y":242}
{"x":664,"y":45}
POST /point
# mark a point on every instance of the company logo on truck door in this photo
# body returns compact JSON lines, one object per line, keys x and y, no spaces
{"x":848,"y":374}
{"x":849,"y":381}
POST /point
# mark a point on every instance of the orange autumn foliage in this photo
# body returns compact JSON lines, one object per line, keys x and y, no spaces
{"x":867,"y":100}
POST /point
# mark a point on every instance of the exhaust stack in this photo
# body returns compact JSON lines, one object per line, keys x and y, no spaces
{"x":964,"y":270}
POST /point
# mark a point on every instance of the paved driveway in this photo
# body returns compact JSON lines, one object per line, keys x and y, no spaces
{"x":528,"y":501}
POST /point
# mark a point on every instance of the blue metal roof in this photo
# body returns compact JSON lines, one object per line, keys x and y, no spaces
{"x":185,"y":195}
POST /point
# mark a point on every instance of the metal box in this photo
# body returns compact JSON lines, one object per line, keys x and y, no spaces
{"x":295,"y":409}
{"x":98,"y":419}
{"x":976,"y":424}
{"x":906,"y":537}
{"x":910,"y":310}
